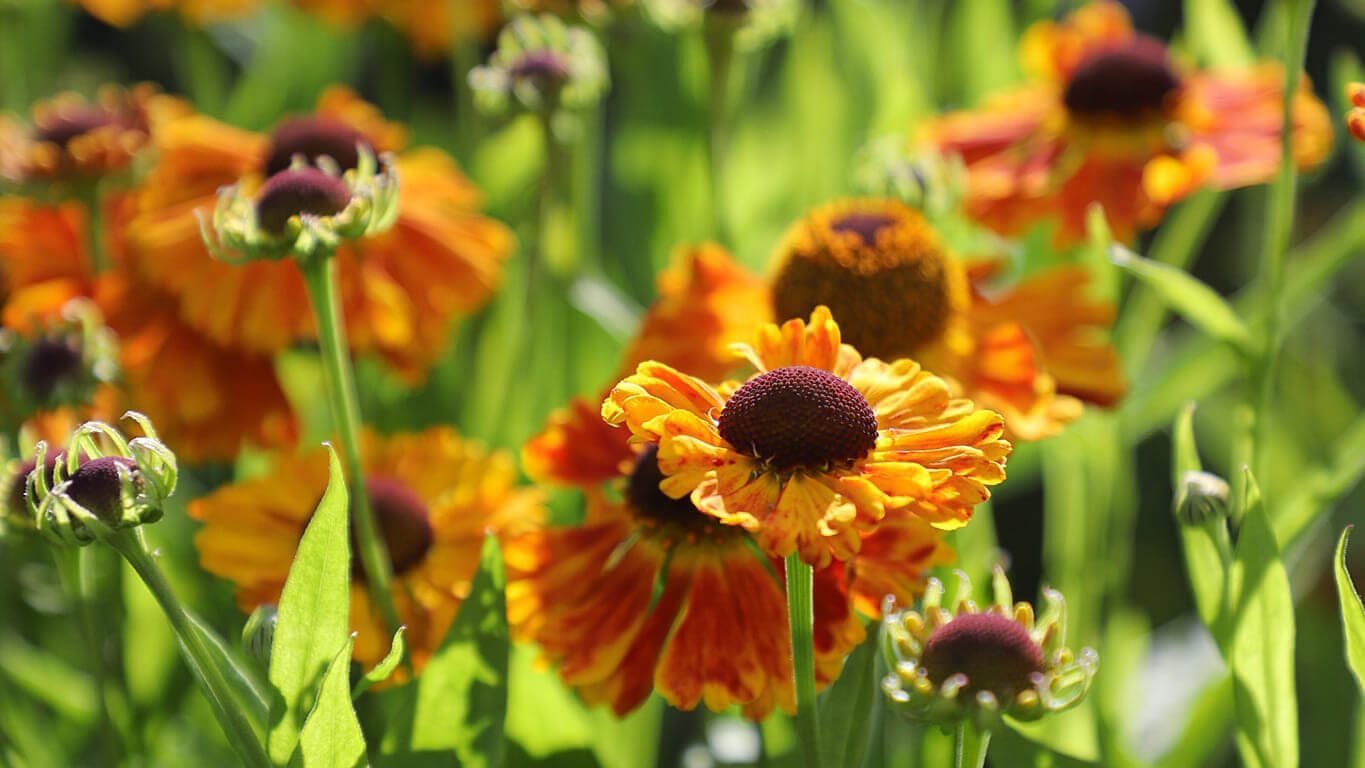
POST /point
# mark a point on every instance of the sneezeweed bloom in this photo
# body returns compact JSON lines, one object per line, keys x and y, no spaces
{"x":818,"y":446}
{"x":755,"y":23}
{"x":1111,"y":116}
{"x":304,"y":211}
{"x":102,"y":483}
{"x":543,"y":64}
{"x":433,"y":496}
{"x":585,"y":593}
{"x":59,"y":364}
{"x":960,"y":662}
{"x":400,"y":289}
{"x":1355,"y":118}
{"x":1032,"y":351}
{"x":75,"y":141}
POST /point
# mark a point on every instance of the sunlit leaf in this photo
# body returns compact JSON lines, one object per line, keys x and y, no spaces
{"x":1203,"y":560}
{"x":846,"y":708}
{"x":1216,"y":33}
{"x":331,"y":736}
{"x":381,"y":671}
{"x":1195,"y":301}
{"x":1352,"y":612}
{"x":1261,"y":651}
{"x":313,"y":617}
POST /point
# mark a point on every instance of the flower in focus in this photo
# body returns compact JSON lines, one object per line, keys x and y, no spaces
{"x":399,"y":290}
{"x":1355,"y":119}
{"x":717,"y":633}
{"x":433,"y":494}
{"x":74,"y":140}
{"x":547,"y":65}
{"x":949,"y":664}
{"x":1111,"y":117}
{"x":208,"y":399}
{"x":818,"y":446}
{"x":303,"y":211}
{"x":1028,"y":351}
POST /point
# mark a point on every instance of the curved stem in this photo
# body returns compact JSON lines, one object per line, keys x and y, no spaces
{"x":801,"y":613}
{"x":240,"y":734}
{"x":970,"y":745}
{"x":319,"y":273}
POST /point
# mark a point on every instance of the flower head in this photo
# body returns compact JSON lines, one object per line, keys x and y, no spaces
{"x":1111,"y":116}
{"x":304,"y":210}
{"x":1355,"y":118}
{"x":545,"y":64}
{"x":60,"y":363}
{"x":1032,"y":351}
{"x":433,"y":495}
{"x":819,"y":445}
{"x":964,"y":662}
{"x":101,"y":483}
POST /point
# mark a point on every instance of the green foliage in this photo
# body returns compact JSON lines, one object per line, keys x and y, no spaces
{"x":1352,"y":612}
{"x":331,"y":736}
{"x":1195,"y":301}
{"x":846,"y":709}
{"x":1216,"y":34}
{"x":1205,"y":546}
{"x":314,"y":616}
{"x":385,"y":667}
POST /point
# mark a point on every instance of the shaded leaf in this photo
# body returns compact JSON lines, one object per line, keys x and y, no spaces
{"x":1195,"y":301}
{"x":313,"y":616}
{"x":1216,"y":33}
{"x":1261,"y":649}
{"x":386,"y":665}
{"x":1204,"y":563}
{"x":846,"y":707}
{"x":331,"y":737}
{"x":1352,"y":612}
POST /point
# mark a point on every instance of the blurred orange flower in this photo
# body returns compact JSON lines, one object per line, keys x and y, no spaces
{"x":400,"y":290}
{"x":1111,"y":117}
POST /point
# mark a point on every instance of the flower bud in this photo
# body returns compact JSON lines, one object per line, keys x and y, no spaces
{"x":258,"y":636}
{"x":548,"y":66}
{"x":1202,"y":497}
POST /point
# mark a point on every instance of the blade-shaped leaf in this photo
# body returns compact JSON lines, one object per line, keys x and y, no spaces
{"x":331,"y":737}
{"x":313,"y":617}
{"x":1352,"y":613}
{"x":386,"y":665}
{"x":1216,"y":33}
{"x":1261,"y":652}
{"x":1195,"y":301}
{"x":1203,"y":560}
{"x":846,"y":708}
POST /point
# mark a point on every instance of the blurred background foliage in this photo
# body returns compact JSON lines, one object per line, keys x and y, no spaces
{"x":1088,"y":511}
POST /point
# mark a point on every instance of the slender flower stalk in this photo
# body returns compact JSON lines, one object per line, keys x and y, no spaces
{"x":131,"y":544}
{"x":721,"y":56}
{"x":319,"y":273}
{"x":970,"y":744}
{"x":94,"y":227}
{"x":801,"y":614}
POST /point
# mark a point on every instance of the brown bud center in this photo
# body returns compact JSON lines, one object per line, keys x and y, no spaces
{"x":404,"y":523}
{"x":994,"y":652}
{"x":50,"y":362}
{"x":314,"y":137}
{"x":298,"y":192}
{"x":97,"y":485}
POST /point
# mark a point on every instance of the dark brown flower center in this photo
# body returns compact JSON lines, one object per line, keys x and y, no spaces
{"x":302,"y":191}
{"x":16,"y":485}
{"x":50,"y":361}
{"x":314,"y":137}
{"x":655,"y":506}
{"x":799,"y":416}
{"x":404,"y":521}
{"x":62,"y":127}
{"x":864,"y":224}
{"x":540,"y":65}
{"x":98,"y":486}
{"x":1124,"y":83}
{"x":994,"y":652}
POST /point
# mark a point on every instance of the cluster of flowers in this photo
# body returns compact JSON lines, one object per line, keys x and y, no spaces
{"x":848,"y":409}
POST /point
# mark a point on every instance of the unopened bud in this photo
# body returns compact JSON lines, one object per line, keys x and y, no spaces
{"x":1202,"y":497}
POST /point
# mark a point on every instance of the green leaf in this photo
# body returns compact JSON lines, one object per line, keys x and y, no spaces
{"x":1204,"y":562}
{"x":459,"y":704}
{"x":1195,"y":301}
{"x":331,"y":737}
{"x":385,"y":667}
{"x":846,"y":708}
{"x":249,"y":691}
{"x":1352,"y":613}
{"x":1216,"y":33}
{"x":1261,"y":651}
{"x":313,"y":617}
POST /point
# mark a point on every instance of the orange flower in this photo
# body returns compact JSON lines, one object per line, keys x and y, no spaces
{"x":816,"y":448}
{"x":207,"y":399}
{"x":717,"y":633}
{"x":1355,"y":118}
{"x":122,"y":13}
{"x":433,"y":494}
{"x":896,"y":290}
{"x":400,"y":290}
{"x":1111,"y":117}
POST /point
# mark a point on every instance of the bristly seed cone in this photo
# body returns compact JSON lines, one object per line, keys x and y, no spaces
{"x":1127,"y":83}
{"x":404,"y":523}
{"x":799,"y":416}
{"x":314,"y":137}
{"x":994,"y":652}
{"x":98,"y":486}
{"x":302,"y":191}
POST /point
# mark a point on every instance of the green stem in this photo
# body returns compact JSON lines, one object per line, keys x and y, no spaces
{"x":100,"y":585}
{"x":71,"y":571}
{"x":720,"y":56}
{"x":801,"y":613}
{"x":241,"y":735}
{"x":556,"y":243}
{"x":970,"y":744}
{"x":94,"y":227}
{"x":319,"y":273}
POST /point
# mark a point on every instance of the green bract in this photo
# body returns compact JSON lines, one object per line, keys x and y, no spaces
{"x":101,"y":483}
{"x":545,"y":64}
{"x":305,"y":211}
{"x":919,"y":688}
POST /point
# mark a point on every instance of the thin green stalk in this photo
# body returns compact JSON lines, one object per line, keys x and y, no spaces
{"x":14,"y":64}
{"x":556,"y":244}
{"x":241,"y":735}
{"x":720,"y":56}
{"x":319,"y":273}
{"x":801,"y":613}
{"x":69,"y":573}
{"x":969,"y":745}
{"x":1279,"y":228}
{"x":100,"y":586}
{"x":94,"y":227}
